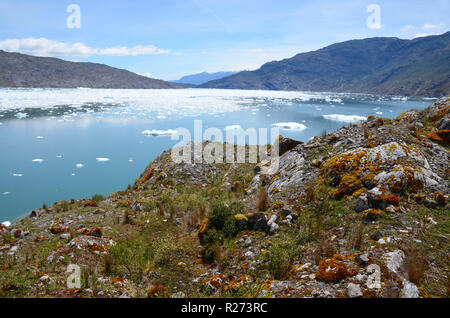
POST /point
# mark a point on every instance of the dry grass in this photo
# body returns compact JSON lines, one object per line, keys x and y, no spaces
{"x":162,"y":211}
{"x":191,"y":221}
{"x":357,"y":237}
{"x":262,"y":200}
{"x":415,"y":266}
{"x":107,"y":264}
{"x":219,"y":257}
{"x":127,"y":217}
{"x":310,"y":193}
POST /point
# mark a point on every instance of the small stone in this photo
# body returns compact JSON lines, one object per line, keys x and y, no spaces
{"x":97,"y":232}
{"x":249,"y":255}
{"x":65,"y":236}
{"x":354,"y":290}
{"x":44,"y":278}
{"x":377,"y":235}
{"x":179,"y":294}
{"x":409,"y":290}
{"x":362,"y":260}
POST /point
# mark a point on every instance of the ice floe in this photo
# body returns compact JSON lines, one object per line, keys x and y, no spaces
{"x":157,"y":132}
{"x":102,"y":159}
{"x":79,"y":165}
{"x":290,"y":126}
{"x":38,"y":160}
{"x":6,"y":193}
{"x":39,"y":137}
{"x":17,"y":175}
{"x":344,"y":118}
{"x":21,"y":115}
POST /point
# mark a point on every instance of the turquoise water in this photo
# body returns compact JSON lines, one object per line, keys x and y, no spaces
{"x":52,"y":140}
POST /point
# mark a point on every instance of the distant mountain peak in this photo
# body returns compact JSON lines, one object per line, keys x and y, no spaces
{"x":203,"y":77}
{"x":387,"y":66}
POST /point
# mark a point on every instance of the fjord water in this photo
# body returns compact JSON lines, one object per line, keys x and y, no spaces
{"x":59,"y":144}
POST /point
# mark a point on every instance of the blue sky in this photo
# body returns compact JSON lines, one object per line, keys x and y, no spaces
{"x":170,"y":38}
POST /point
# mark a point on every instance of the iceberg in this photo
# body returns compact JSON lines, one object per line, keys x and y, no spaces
{"x":344,"y":118}
{"x":290,"y":126}
{"x":102,"y":159}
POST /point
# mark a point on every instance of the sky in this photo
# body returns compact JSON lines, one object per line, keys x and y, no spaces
{"x":168,"y":39}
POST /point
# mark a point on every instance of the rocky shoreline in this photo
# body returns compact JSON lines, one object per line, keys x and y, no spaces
{"x":361,"y":212}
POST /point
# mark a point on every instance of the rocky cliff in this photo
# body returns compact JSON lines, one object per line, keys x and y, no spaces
{"x":361,"y":212}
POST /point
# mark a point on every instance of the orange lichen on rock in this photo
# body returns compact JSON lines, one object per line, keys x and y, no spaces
{"x":331,"y":270}
{"x":40,"y":238}
{"x":440,"y":113}
{"x":407,"y":116}
{"x":439,"y":198}
{"x":238,"y":282}
{"x":278,"y":204}
{"x":157,"y":290}
{"x":440,"y":136}
{"x":215,"y":281}
{"x":372,"y":214}
{"x":203,"y":226}
{"x":148,"y":175}
{"x":299,"y":268}
{"x":90,"y":203}
{"x":118,"y":281}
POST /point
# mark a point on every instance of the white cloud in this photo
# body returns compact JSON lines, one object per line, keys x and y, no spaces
{"x":432,"y":26}
{"x":408,"y":27}
{"x":46,"y":47}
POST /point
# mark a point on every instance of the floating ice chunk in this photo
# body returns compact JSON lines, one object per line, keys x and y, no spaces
{"x":39,"y":137}
{"x":130,"y":160}
{"x":161,"y":117}
{"x":73,"y":174}
{"x":17,"y":175}
{"x":38,"y":160}
{"x":6,"y":193}
{"x":157,"y":132}
{"x":79,"y":165}
{"x":344,"y":118}
{"x":59,"y":156}
{"x":21,"y":115}
{"x":102,"y":159}
{"x":290,"y":126}
{"x":6,"y":223}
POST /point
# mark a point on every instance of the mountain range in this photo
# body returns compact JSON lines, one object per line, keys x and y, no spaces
{"x":20,"y":70}
{"x":388,"y":66}
{"x":201,"y":78}
{"x":385,"y":66}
